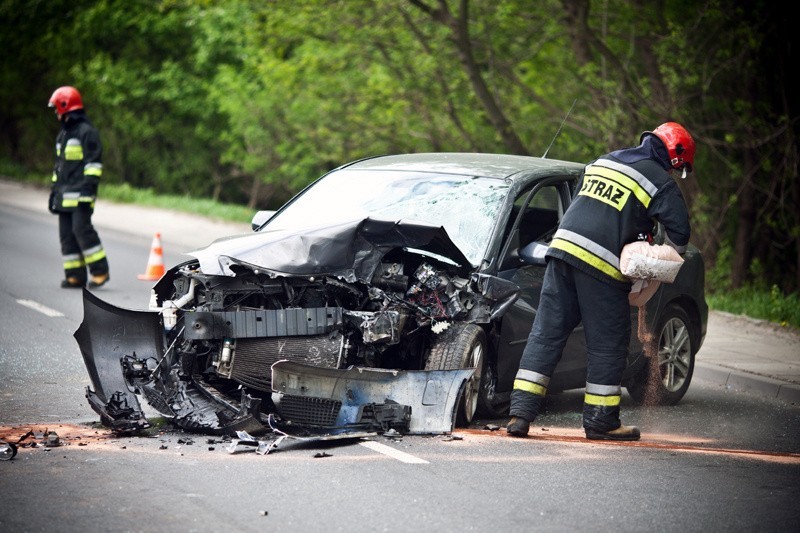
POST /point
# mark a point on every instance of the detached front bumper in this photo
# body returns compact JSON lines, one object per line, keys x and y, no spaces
{"x":107,"y":335}
{"x":413,"y":402}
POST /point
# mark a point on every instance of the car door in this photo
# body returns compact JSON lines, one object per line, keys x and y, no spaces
{"x":535,"y":217}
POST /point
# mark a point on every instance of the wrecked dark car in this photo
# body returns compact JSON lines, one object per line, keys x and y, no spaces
{"x":394,"y":293}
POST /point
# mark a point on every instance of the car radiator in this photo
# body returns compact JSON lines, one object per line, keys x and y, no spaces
{"x":254,"y":357}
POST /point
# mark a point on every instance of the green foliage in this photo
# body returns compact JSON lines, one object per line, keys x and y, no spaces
{"x":246,"y":102}
{"x":718,"y":276}
{"x":769,"y":304}
{"x":124,"y":193}
{"x":18,"y":172}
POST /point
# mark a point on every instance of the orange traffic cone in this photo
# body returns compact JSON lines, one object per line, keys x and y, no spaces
{"x":155,"y":264}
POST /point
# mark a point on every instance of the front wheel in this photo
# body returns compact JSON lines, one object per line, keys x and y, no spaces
{"x":491,"y":404}
{"x":669,"y":361}
{"x":457,"y":347}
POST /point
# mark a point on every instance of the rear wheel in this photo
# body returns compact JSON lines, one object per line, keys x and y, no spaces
{"x":669,"y":362}
{"x":461,"y":346}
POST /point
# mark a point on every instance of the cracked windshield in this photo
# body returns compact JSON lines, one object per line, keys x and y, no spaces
{"x":465,"y":206}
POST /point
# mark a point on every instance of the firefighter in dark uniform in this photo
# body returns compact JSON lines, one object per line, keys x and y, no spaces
{"x":616,"y":200}
{"x":74,"y":190}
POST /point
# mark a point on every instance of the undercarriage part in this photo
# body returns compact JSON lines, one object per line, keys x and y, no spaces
{"x":247,"y":419}
{"x":200,"y":408}
{"x":247,"y":443}
{"x":116,"y":413}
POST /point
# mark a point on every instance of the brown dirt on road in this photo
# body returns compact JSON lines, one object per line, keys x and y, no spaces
{"x":570,"y":436}
{"x":36,"y":435}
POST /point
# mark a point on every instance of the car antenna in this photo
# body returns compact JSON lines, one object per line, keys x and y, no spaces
{"x":559,"y":129}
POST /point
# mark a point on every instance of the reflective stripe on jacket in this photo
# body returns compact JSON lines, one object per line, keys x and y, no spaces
{"x":614,"y":203}
{"x":78,"y":165}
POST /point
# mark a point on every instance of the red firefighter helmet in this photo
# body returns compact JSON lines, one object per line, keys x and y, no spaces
{"x":66,"y":99}
{"x":679,"y":143}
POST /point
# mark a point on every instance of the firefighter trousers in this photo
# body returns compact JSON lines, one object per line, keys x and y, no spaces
{"x":570,"y":297}
{"x":81,"y":248}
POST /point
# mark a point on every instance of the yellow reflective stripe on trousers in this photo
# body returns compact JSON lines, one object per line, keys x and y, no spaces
{"x":96,"y":256}
{"x":607,"y":401}
{"x":527,"y":386}
{"x":533,"y":377}
{"x":588,"y":258}
{"x":603,"y":390}
{"x":73,"y":263}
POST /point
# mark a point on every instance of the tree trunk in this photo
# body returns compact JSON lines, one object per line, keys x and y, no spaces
{"x":745,"y":224}
{"x":255,"y":188}
{"x":216,"y":176}
{"x":796,"y":199}
{"x":459,"y":27}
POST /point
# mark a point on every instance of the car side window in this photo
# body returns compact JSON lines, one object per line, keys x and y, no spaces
{"x":541,"y":216}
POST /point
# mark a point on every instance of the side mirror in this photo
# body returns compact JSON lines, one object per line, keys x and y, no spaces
{"x":260,"y":218}
{"x":533,"y":253}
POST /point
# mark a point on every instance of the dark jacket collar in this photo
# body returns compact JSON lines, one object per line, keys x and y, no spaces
{"x":71,"y":119}
{"x":651,"y":148}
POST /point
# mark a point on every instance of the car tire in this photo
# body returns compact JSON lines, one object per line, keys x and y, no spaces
{"x":461,"y":346}
{"x":669,"y":361}
{"x":490,"y":404}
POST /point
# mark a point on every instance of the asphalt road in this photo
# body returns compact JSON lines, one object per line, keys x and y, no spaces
{"x":721,"y":460}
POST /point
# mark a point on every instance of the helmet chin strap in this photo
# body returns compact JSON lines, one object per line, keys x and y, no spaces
{"x":682,"y":170}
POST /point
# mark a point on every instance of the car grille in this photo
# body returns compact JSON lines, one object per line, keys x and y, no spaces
{"x":309,"y":411}
{"x":254,"y":357}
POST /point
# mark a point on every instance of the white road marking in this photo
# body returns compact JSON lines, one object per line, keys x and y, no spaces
{"x":392,"y":452}
{"x":36,"y":306}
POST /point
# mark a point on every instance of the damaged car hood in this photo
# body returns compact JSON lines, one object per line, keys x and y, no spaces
{"x":350,"y":250}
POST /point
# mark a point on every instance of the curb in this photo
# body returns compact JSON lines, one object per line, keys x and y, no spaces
{"x":753,"y":383}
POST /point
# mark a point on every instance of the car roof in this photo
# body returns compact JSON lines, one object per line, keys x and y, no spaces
{"x":470,"y":164}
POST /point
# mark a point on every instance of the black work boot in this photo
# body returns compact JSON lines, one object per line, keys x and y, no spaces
{"x":98,"y":280}
{"x":621,"y":433}
{"x":518,"y":427}
{"x":72,"y":283}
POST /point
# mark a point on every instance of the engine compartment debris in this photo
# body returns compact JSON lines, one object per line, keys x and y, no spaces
{"x":337,"y":338}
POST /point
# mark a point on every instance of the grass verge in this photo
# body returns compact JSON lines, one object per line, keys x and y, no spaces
{"x":763,"y":304}
{"x":124,"y":193}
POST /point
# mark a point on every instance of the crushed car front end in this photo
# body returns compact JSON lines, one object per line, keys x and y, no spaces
{"x":367,"y":294}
